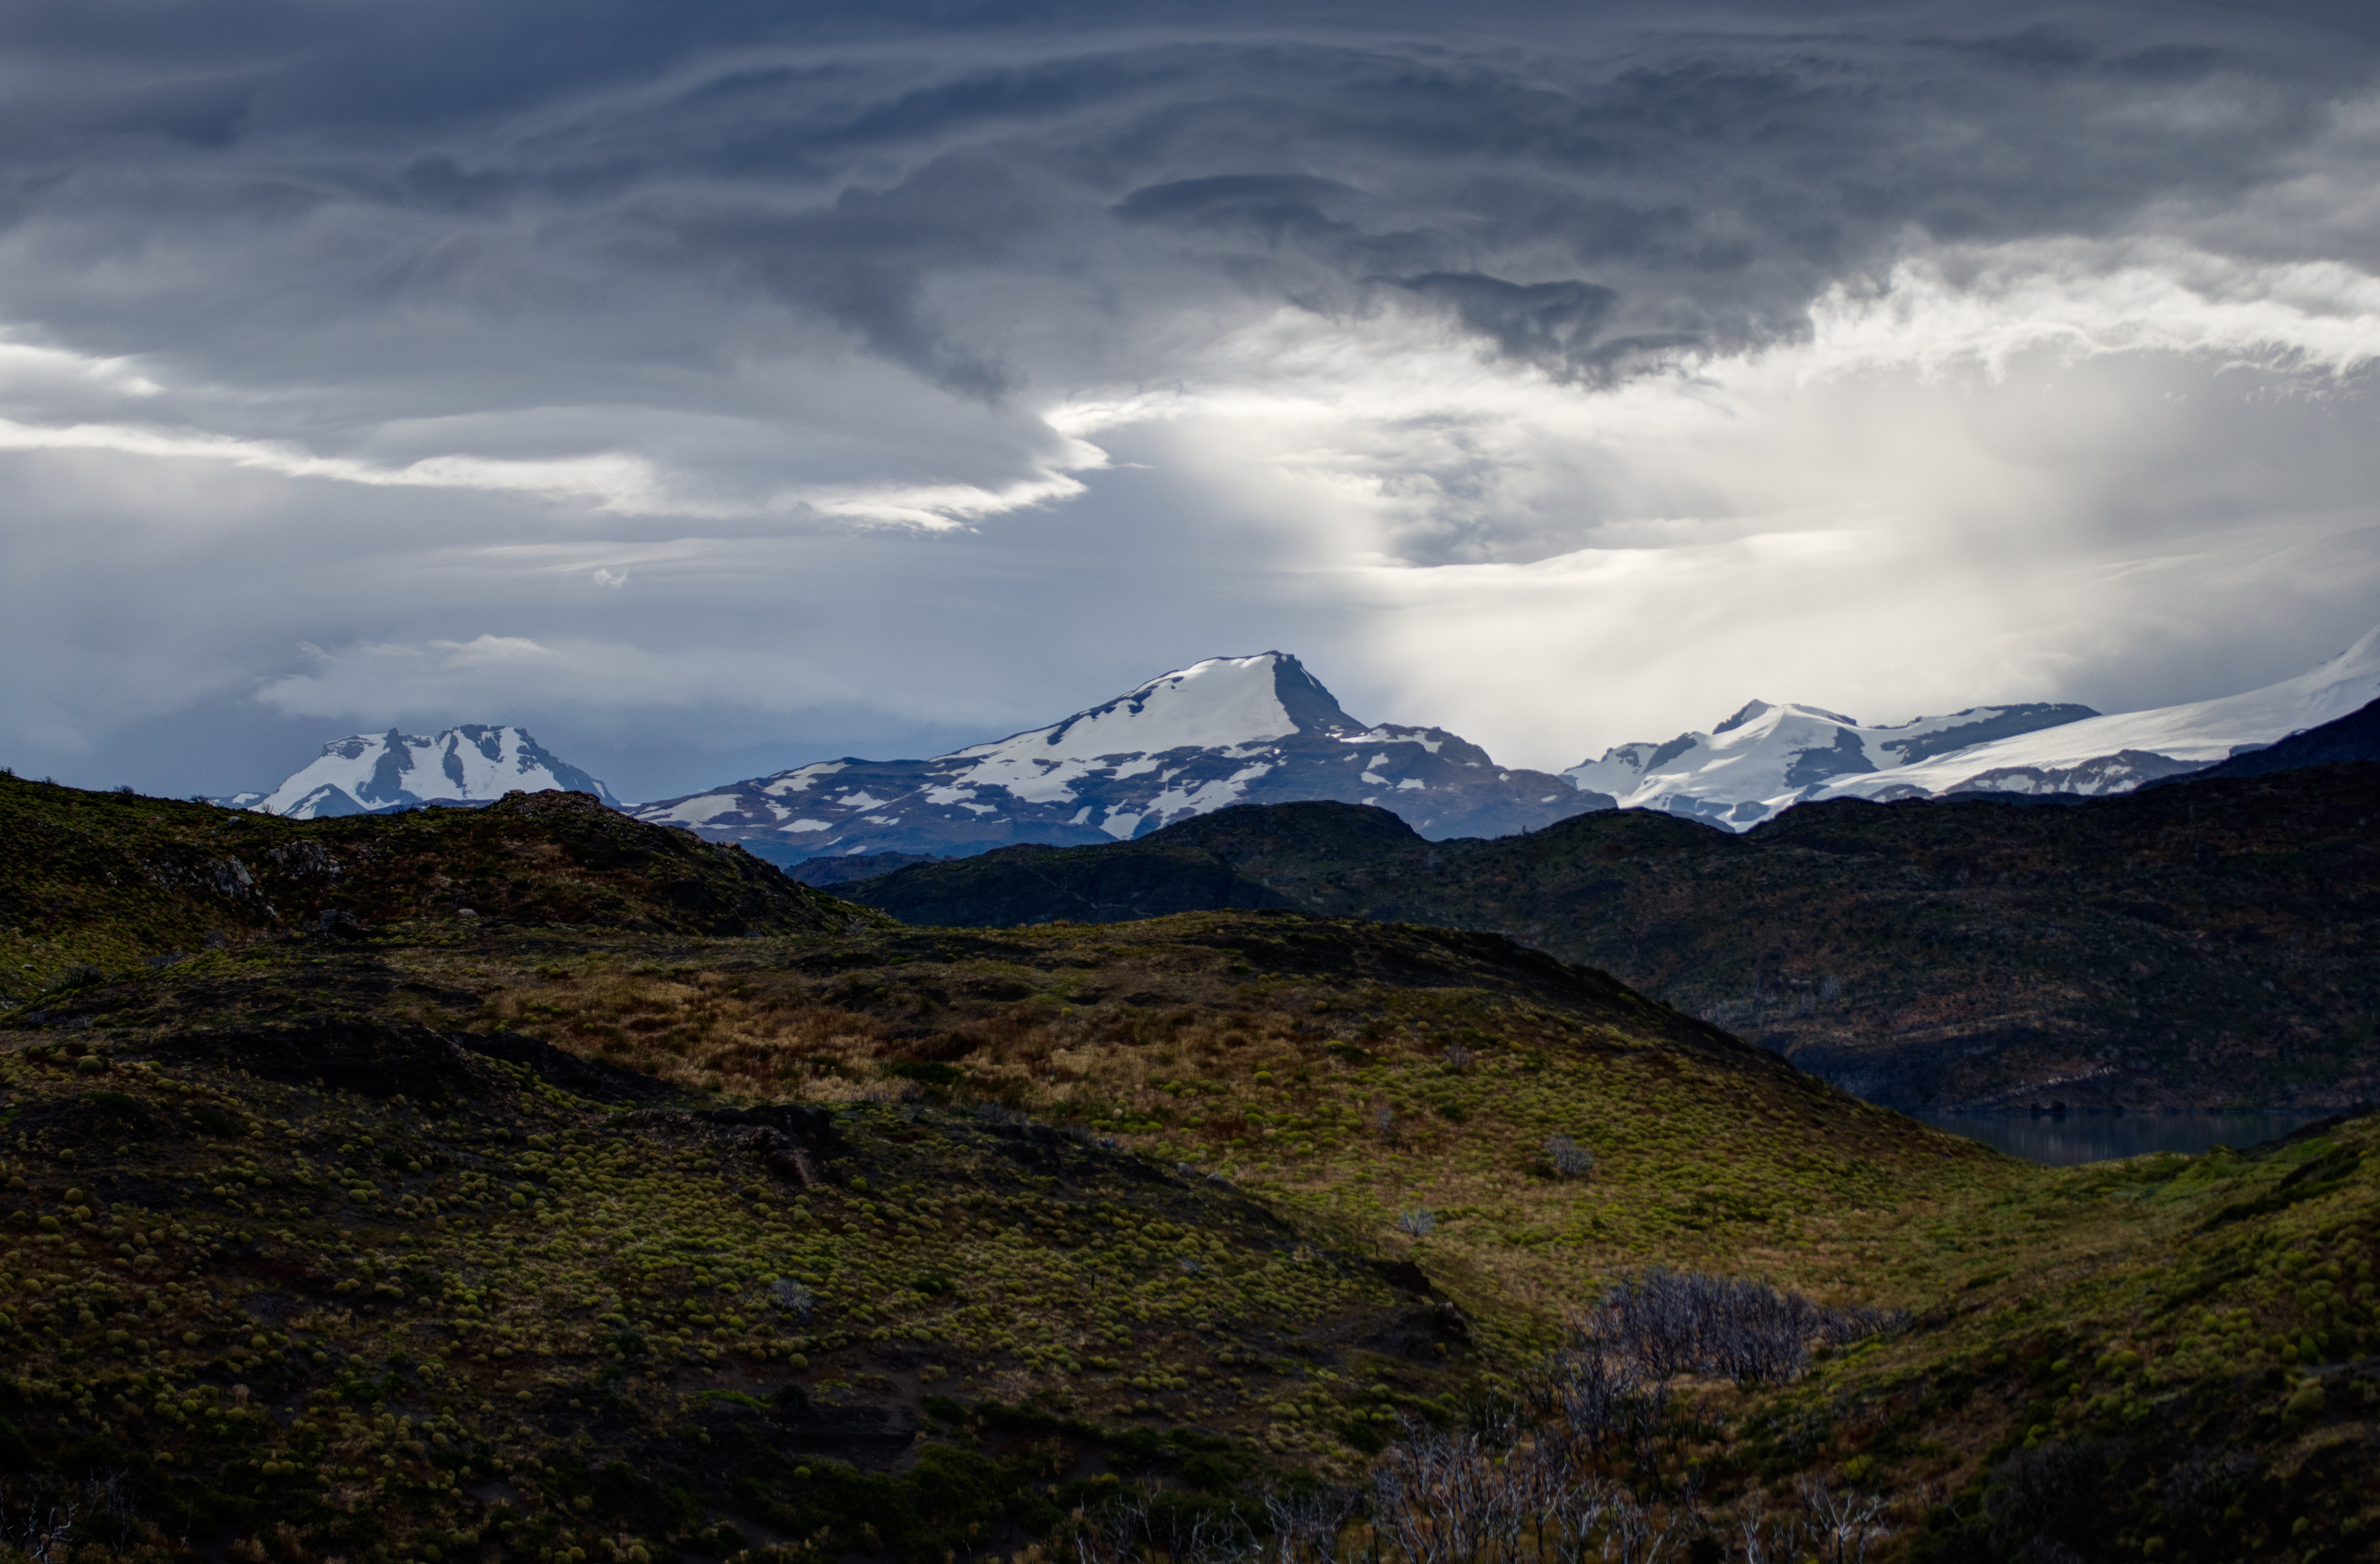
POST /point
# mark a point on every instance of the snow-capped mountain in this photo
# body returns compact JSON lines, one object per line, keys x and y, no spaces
{"x":1765,"y":757}
{"x":379,"y":773}
{"x":2117,"y":754}
{"x":1230,"y":730}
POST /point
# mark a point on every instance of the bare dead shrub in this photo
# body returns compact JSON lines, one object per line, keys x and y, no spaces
{"x":1681,"y":1322}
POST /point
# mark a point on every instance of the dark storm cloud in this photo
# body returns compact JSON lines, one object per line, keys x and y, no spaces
{"x":611,"y":312}
{"x":1556,"y":325}
{"x":1706,"y":182}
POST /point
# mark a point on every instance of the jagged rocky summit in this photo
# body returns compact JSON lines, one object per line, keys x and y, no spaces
{"x":382,"y":773}
{"x":1766,"y":758}
{"x":1230,"y":730}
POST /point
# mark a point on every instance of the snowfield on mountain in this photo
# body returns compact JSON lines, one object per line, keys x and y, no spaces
{"x":1230,"y":730}
{"x":379,"y":773}
{"x":1766,"y":759}
{"x":2116,"y":753}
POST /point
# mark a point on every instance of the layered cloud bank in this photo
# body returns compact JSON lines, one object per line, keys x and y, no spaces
{"x":727,"y":388}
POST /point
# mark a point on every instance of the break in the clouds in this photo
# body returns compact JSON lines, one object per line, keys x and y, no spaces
{"x":714,"y":385}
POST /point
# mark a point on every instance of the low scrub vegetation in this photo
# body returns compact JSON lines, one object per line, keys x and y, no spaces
{"x":507,"y":1241}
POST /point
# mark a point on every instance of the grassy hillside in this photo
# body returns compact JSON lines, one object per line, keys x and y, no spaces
{"x":96,"y":884}
{"x":513,"y":1239}
{"x":2205,"y":944}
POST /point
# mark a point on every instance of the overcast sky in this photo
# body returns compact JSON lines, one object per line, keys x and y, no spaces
{"x":711,"y":387}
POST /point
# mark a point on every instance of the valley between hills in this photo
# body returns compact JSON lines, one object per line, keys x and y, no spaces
{"x":2204,"y":944}
{"x":529,"y":1183}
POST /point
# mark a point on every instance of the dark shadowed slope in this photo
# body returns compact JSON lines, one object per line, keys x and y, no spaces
{"x":2205,"y":945}
{"x":519,"y":1241}
{"x":106,"y":880}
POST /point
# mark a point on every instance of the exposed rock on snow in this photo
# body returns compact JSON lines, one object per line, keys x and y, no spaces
{"x":1766,"y":758}
{"x":1230,"y":730}
{"x":379,"y":773}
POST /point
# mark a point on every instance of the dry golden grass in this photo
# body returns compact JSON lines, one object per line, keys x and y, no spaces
{"x":1280,"y":1085}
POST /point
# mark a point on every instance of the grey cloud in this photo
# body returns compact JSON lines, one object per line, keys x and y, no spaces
{"x":1556,"y":325}
{"x":771,"y":250}
{"x":1709,"y":183}
{"x":1271,"y":204}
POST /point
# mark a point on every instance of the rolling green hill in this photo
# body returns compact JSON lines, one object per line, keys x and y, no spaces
{"x":2206,"y":944}
{"x":94,"y":884}
{"x":528,"y":1237}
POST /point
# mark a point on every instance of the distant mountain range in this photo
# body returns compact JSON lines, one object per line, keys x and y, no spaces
{"x":1230,"y":730}
{"x":2202,"y":945}
{"x":1769,"y":757}
{"x":1766,"y":759}
{"x":1261,"y":729}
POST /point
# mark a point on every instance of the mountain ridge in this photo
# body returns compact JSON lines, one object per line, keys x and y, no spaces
{"x":1250,"y":729}
{"x":383,"y":773}
{"x":1766,"y":758}
{"x":2196,"y":945}
{"x":1263,"y":728}
{"x":657,"y":1241}
{"x":2116,"y":753}
{"x":2355,"y":736}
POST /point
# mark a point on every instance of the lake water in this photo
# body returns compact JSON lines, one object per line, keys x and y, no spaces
{"x":2063,"y":1139}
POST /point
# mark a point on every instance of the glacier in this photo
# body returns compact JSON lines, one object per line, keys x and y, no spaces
{"x":2117,"y":754}
{"x":1766,"y":758}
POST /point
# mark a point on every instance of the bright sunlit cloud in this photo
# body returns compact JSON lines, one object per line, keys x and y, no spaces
{"x":752,"y":385}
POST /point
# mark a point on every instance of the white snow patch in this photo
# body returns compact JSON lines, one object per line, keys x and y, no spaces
{"x":1174,"y":802}
{"x":474,"y":763}
{"x":801,"y":778}
{"x":695,"y":811}
{"x":1382,"y":735}
{"x":1220,"y":702}
{"x":2204,"y":730}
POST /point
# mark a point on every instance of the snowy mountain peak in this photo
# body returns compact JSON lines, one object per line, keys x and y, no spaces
{"x":2344,"y":676}
{"x":1751,"y":710}
{"x":1230,"y":730}
{"x":2116,"y":753}
{"x":1765,"y":756}
{"x":1215,"y":704}
{"x":378,"y":774}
